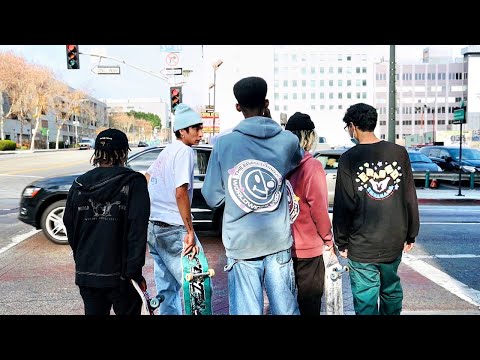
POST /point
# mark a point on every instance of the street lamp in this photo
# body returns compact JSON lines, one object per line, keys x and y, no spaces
{"x":215,"y":66}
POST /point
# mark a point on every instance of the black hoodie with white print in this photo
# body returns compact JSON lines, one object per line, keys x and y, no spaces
{"x":106,"y":218}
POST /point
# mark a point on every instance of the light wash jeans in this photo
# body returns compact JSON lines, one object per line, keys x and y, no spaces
{"x":165,"y":245}
{"x":248,"y":278}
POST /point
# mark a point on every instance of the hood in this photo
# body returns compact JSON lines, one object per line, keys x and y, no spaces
{"x":306,"y":156}
{"x":103,"y":183}
{"x":259,"y":127}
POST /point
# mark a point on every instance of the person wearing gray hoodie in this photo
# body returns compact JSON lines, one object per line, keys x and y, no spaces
{"x":246,"y":174}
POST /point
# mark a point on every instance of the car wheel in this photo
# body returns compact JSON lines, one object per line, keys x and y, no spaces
{"x":52,"y":223}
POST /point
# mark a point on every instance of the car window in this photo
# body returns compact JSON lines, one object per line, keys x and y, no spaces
{"x":418,"y":157}
{"x":467,"y":154}
{"x":201,"y":162}
{"x":143,"y":161}
{"x":444,"y":154}
{"x":329,"y":162}
{"x":434,"y":153}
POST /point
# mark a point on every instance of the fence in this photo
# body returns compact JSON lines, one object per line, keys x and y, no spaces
{"x":472,"y":178}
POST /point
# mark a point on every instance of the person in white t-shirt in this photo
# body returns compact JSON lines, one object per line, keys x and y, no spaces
{"x":170,"y":230}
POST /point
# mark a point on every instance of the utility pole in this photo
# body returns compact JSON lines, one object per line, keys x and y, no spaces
{"x":392,"y":97}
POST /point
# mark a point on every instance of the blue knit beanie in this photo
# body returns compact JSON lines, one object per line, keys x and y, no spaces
{"x":185,"y":116}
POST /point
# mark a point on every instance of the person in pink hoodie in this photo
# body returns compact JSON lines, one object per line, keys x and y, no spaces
{"x":311,"y":226}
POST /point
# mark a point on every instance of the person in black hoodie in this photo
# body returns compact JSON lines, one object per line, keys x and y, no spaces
{"x":375,"y":213}
{"x":106,"y":219}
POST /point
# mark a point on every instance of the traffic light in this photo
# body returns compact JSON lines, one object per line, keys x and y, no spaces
{"x":73,"y":57}
{"x":175,"y":97}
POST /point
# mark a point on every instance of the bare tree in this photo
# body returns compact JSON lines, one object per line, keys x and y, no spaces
{"x":122,"y":121}
{"x":43,"y":89}
{"x":13,"y":84}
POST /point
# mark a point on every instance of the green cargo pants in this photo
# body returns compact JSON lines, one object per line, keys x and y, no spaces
{"x":376,"y":288}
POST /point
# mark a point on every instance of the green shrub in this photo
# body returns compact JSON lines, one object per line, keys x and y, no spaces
{"x":7,"y":145}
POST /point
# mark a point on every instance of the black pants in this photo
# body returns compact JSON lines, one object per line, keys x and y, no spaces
{"x":310,"y":277}
{"x":99,"y":301}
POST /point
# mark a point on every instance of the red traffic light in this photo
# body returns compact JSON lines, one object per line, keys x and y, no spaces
{"x":73,"y":59}
{"x":175,"y":97}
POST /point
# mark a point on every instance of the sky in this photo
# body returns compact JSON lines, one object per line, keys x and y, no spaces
{"x":133,"y":83}
{"x":238,"y":61}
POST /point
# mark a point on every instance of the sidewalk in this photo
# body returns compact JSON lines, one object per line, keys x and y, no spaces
{"x":448,"y":196}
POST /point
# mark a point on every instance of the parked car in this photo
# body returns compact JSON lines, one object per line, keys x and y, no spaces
{"x":329,"y":159}
{"x":448,"y":158}
{"x":86,"y":144}
{"x":142,"y":144}
{"x":421,"y":162}
{"x":43,"y":201}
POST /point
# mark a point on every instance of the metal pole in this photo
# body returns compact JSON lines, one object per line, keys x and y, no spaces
{"x":460,"y":164}
{"x":392,"y":97}
{"x":214,"y":90}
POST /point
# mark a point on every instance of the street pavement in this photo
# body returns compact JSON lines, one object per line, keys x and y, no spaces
{"x":37,"y":277}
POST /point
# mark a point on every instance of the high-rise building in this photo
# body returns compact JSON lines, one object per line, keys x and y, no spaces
{"x":427,"y":94}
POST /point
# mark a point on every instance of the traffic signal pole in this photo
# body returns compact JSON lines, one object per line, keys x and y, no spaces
{"x":392,"y":97}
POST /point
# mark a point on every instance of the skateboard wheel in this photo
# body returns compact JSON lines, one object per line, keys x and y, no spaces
{"x":154,"y":303}
{"x":189,"y":277}
{"x":211,"y":272}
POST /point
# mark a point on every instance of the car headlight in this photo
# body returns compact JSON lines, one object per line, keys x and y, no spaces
{"x":31,"y":191}
{"x":469,"y":168}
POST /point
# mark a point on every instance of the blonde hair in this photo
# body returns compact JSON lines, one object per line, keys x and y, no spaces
{"x":307,"y":139}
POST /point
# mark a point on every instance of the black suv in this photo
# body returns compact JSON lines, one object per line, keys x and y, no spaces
{"x":43,"y":202}
{"x":448,"y":158}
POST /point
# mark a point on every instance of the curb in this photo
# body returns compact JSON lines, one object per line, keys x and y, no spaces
{"x":450,"y":201}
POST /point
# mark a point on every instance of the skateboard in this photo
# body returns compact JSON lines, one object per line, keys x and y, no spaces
{"x":197,"y":286}
{"x":333,"y":284}
{"x":149,"y":305}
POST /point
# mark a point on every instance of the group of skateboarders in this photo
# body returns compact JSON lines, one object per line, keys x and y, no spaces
{"x":276,"y":225}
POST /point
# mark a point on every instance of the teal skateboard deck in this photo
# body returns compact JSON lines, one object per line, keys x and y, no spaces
{"x":197,"y":286}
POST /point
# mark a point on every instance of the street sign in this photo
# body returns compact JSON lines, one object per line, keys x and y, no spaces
{"x":209,"y":108}
{"x":172,"y":59}
{"x":172,"y":71}
{"x":106,"y":70}
{"x":459,"y":116}
{"x":170,"y":48}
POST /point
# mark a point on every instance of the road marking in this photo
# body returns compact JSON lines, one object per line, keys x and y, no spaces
{"x":28,"y":176}
{"x":444,"y":280}
{"x":18,"y":239}
{"x":448,"y":256}
{"x":450,"y":223}
{"x":46,"y":167}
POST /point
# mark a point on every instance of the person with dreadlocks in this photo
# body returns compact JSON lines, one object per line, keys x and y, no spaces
{"x":106,"y":218}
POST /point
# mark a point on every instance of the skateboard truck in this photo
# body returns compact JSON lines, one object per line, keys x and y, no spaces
{"x":338,"y":271}
{"x":190,"y":276}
